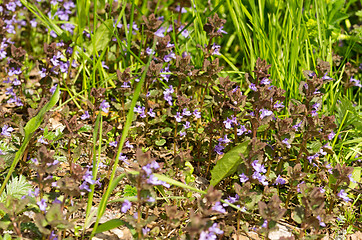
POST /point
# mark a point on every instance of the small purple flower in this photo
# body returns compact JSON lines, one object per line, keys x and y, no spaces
{"x":265,"y":81}
{"x":253,"y":87}
{"x":42,"y":140}
{"x":321,"y":223}
{"x":231,"y":200}
{"x":265,"y":224}
{"x":154,"y":181}
{"x":167,"y":94}
{"x":224,"y":140}
{"x":178,"y":117}
{"x":6,"y":131}
{"x":351,"y":178}
{"x":241,"y":130}
{"x":149,"y":51}
{"x":182,"y":133}
{"x":104,"y":106}
{"x":53,"y":236}
{"x":85,"y":115}
{"x":278,"y":104}
{"x":184,"y":33}
{"x":355,"y":82}
{"x":123,"y":158}
{"x":325,"y":77}
{"x":298,"y":186}
{"x":126,"y":206}
{"x":187,"y":125}
{"x":243,"y":178}
{"x":261,"y":178}
{"x":52,"y":89}
{"x":169,"y":57}
{"x":145,"y":231}
{"x":127,"y":144}
{"x":331,"y":135}
{"x":228,"y":123}
{"x":42,"y":204}
{"x":280,"y":180}
{"x":215,"y":49}
{"x":285,"y":141}
{"x":265,"y":113}
{"x":113,"y":144}
{"x":220,"y":30}
{"x":196,"y":113}
{"x":218,"y":208}
{"x":186,"y":112}
{"x":297,"y":126}
{"x":218,"y":149}
{"x":160,"y":32}
{"x":151,"y":113}
{"x":258,"y":167}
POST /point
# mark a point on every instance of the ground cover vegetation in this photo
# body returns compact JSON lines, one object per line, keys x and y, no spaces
{"x":180,"y":119}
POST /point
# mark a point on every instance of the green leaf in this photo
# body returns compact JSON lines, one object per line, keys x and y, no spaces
{"x":160,"y":142}
{"x":129,"y":191}
{"x":102,"y":36}
{"x":356,"y":177}
{"x":227,"y":165}
{"x":111,"y":224}
{"x":298,"y":215}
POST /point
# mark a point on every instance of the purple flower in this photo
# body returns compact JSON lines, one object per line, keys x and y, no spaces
{"x":265,"y":81}
{"x":280,"y":180}
{"x":228,"y":123}
{"x":355,"y":82}
{"x":53,"y":236}
{"x":160,"y":32}
{"x":127,"y":144}
{"x":104,"y":106}
{"x":218,"y":149}
{"x":123,"y":158}
{"x":278,"y":104}
{"x":253,"y":87}
{"x":11,"y":6}
{"x":182,"y":133}
{"x":218,"y":208}
{"x":231,"y":200}
{"x":298,"y":186}
{"x":167,"y":94}
{"x":186,"y":112}
{"x":241,"y":130}
{"x":261,"y":178}
{"x":224,"y":140}
{"x":177,"y":9}
{"x":331,"y":135}
{"x":297,"y":126}
{"x":215,"y":49}
{"x":184,"y":33}
{"x":85,"y":115}
{"x":258,"y":167}
{"x":149,"y":51}
{"x":243,"y":178}
{"x":145,"y":231}
{"x":187,"y":125}
{"x":126,"y":206}
{"x":325,"y":77}
{"x":265,"y":224}
{"x":220,"y":30}
{"x":42,"y":140}
{"x":169,"y":57}
{"x":285,"y":141}
{"x":321,"y":223}
{"x":154,"y":181}
{"x":178,"y":117}
{"x":113,"y":144}
{"x":265,"y":113}
{"x":196,"y":113}
{"x":42,"y":204}
{"x":6,"y":131}
{"x":52,"y":89}
{"x":342,"y":194}
{"x":151,"y":113}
